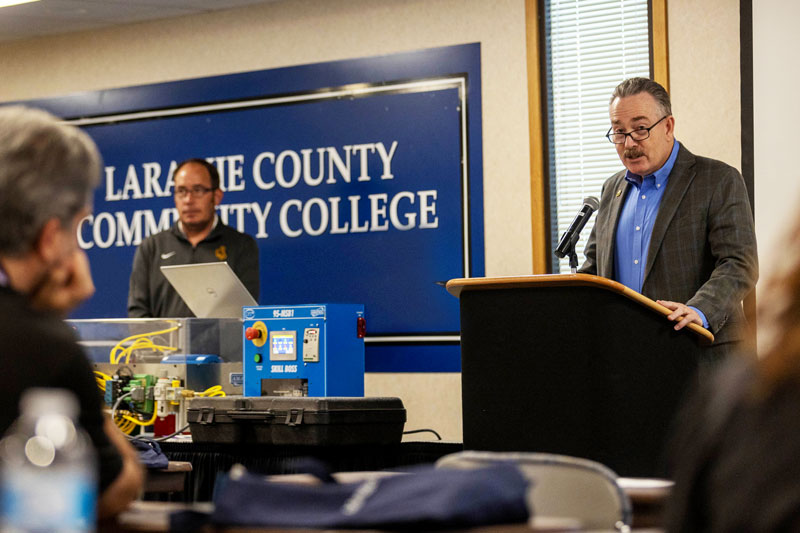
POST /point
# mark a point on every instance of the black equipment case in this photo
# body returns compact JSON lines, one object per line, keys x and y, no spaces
{"x":284,"y":420}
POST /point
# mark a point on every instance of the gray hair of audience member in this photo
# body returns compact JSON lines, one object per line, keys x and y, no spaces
{"x":633,"y":86}
{"x":47,"y":170}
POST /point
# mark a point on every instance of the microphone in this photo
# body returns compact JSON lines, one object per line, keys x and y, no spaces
{"x":570,"y":237}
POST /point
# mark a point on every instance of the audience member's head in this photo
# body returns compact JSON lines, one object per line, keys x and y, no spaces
{"x":48,"y":170}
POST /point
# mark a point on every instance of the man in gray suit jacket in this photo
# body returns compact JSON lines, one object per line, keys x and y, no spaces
{"x":674,"y":226}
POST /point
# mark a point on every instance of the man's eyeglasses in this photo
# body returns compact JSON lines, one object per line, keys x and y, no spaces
{"x":196,"y":192}
{"x":640,"y":134}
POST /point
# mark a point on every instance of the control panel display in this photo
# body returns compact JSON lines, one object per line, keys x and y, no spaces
{"x":282,"y":345}
{"x":311,"y":345}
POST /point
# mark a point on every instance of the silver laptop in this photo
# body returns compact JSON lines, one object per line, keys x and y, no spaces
{"x":211,"y":290}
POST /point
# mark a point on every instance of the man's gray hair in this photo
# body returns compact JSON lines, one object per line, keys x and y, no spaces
{"x":47,"y":170}
{"x":633,"y":86}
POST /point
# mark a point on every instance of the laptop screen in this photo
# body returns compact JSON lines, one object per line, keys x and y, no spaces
{"x":210,"y":290}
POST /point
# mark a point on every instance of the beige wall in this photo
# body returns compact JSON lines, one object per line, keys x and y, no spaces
{"x":307,"y":31}
{"x":704,"y":77}
{"x":704,"y":65}
{"x":776,"y":78}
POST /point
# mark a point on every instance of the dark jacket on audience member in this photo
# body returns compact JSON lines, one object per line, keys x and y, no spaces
{"x":736,"y":457}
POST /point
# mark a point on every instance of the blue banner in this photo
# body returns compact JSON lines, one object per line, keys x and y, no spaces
{"x":361,"y":181}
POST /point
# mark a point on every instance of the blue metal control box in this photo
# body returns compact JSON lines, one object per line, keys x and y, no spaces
{"x":303,"y":350}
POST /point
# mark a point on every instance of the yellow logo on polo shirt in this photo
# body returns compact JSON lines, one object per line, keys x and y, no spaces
{"x":221,"y":253}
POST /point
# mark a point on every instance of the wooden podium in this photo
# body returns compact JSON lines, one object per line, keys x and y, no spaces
{"x":572,"y":364}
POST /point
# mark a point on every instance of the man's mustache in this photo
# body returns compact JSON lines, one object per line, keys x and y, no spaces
{"x":632,"y":153}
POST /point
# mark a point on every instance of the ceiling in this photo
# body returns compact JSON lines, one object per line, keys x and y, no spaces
{"x":49,"y":17}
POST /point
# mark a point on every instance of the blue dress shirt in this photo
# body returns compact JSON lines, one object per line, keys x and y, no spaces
{"x":635,"y":225}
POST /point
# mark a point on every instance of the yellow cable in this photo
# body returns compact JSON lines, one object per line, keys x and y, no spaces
{"x":141,"y":344}
{"x":142,"y":423}
{"x":100,"y":379}
{"x":216,"y":390}
{"x":162,"y":348}
{"x":136,"y":345}
{"x":124,"y":426}
{"x":119,"y":346}
{"x":152,"y":346}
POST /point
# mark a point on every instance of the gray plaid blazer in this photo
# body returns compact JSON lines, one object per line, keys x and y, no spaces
{"x":703,"y":247}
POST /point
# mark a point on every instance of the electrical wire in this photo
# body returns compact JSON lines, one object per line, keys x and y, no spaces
{"x":146,"y":343}
{"x":165,"y":437}
{"x":142,"y":344}
{"x":142,"y":422}
{"x":119,"y":401}
{"x":100,"y":379}
{"x":127,"y":423}
{"x":124,"y":425}
{"x":210,"y":392}
{"x":422,"y":431}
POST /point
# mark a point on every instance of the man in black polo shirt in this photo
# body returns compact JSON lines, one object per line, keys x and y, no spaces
{"x":197,"y":237}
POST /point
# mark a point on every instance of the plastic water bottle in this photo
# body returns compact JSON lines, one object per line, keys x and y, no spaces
{"x":48,"y":481}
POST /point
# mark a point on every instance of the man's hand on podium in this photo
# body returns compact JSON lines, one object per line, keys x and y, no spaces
{"x":681,"y":312}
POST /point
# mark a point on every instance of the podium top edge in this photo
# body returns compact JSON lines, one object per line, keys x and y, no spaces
{"x":458,"y":285}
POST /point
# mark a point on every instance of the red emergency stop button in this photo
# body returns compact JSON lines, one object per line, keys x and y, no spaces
{"x":252,"y":334}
